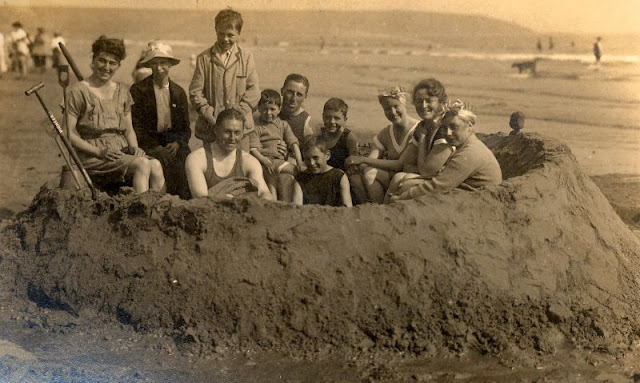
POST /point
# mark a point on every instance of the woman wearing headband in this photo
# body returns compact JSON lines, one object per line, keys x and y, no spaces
{"x":471,"y":166}
{"x":370,"y":183}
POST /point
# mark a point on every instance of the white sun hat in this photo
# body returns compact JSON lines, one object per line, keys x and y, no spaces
{"x":157,"y":49}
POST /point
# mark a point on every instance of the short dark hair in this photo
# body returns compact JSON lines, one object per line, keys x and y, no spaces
{"x":434,"y":89}
{"x":298,"y":78}
{"x":229,"y":18}
{"x":270,"y":96}
{"x":312,"y":142}
{"x":107,"y":45}
{"x":230,"y":114}
{"x":336,"y":104}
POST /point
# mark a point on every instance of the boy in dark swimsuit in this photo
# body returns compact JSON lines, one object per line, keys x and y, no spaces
{"x":320,"y":183}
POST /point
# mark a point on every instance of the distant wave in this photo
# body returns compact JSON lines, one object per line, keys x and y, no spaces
{"x":173,"y":43}
{"x":584,"y":58}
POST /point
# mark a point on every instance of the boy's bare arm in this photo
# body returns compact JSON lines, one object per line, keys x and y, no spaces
{"x":296,"y":153}
{"x":345,"y":191}
{"x":297,"y":193}
{"x":352,"y":144}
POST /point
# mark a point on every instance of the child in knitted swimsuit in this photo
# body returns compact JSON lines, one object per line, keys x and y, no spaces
{"x":339,"y":140}
{"x":320,"y":183}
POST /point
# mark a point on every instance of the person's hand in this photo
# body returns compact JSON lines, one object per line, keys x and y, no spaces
{"x":353,"y":160}
{"x":110,"y":154}
{"x":282,"y":148}
{"x":352,"y":169}
{"x":172,"y":148}
{"x":301,"y":167}
{"x":270,"y":166}
{"x":211,"y":120}
{"x":134,"y":151}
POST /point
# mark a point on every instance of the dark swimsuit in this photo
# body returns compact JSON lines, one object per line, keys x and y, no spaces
{"x":210,"y":174}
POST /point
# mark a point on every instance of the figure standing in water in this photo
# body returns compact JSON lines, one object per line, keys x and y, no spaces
{"x":597,"y":49}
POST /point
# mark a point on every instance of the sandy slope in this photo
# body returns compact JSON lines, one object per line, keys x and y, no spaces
{"x":535,"y":263}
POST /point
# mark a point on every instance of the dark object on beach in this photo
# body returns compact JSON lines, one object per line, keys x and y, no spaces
{"x":523,"y":66}
{"x":71,"y":62}
{"x":539,"y":45}
{"x":550,"y":43}
{"x":516,"y":122}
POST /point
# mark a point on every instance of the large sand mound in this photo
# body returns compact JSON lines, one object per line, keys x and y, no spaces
{"x":533,"y":263}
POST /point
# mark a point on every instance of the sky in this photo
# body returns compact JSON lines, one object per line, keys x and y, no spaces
{"x":568,"y":16}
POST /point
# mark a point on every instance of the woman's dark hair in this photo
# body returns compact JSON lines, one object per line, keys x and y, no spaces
{"x":107,"y":45}
{"x":434,"y":89}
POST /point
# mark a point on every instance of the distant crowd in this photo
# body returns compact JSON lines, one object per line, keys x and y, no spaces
{"x":261,"y":141}
{"x":23,"y":52}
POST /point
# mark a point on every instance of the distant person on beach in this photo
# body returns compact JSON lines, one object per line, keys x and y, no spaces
{"x":539,"y":45}
{"x":516,"y":123}
{"x":160,"y":116}
{"x":471,"y":166}
{"x":339,"y":140}
{"x":551,"y":43}
{"x":141,"y":71}
{"x":320,"y":183}
{"x":370,"y":183}
{"x":41,"y":50}
{"x":427,"y":151}
{"x":222,"y":159}
{"x":225,"y":76}
{"x":294,"y":91}
{"x":20,"y":49}
{"x":597,"y":49}
{"x":272,"y":131}
{"x":56,"y":52}
{"x":98,"y":118}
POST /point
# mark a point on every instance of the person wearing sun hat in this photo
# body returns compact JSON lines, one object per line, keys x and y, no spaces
{"x":160,"y":116}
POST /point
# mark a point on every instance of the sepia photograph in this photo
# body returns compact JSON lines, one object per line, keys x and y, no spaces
{"x":319,"y":191}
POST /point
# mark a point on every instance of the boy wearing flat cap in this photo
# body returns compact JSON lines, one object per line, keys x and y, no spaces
{"x":160,"y":116}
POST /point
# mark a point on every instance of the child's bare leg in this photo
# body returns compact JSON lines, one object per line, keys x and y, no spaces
{"x":408,"y":183}
{"x":284,"y":186}
{"x":355,"y":180}
{"x":270,"y":180}
{"x":156,"y":179}
{"x":394,"y":185}
{"x":375,"y":180}
{"x":141,"y":172}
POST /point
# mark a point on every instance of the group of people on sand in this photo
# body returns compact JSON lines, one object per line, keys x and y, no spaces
{"x":21,"y":51}
{"x":140,"y":136}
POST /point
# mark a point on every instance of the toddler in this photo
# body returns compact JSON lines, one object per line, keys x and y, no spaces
{"x":272,"y":130}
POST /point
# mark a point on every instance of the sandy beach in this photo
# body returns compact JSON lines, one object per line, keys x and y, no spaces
{"x":593,"y":109}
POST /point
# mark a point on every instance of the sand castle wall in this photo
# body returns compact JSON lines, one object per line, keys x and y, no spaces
{"x":534,"y":263}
